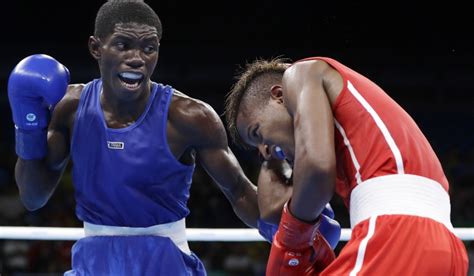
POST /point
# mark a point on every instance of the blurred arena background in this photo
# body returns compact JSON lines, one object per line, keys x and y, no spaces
{"x":425,"y":64}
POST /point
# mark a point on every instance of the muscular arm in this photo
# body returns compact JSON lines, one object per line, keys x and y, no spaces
{"x":209,"y":139}
{"x":37,"y":179}
{"x":315,"y":162}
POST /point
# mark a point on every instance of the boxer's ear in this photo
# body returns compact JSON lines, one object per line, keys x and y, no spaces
{"x":94,"y":47}
{"x":277,"y":93}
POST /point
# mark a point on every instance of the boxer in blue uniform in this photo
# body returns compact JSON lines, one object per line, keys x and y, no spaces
{"x":133,"y":144}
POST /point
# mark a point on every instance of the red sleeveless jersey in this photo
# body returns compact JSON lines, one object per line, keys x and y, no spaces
{"x":374,"y":136}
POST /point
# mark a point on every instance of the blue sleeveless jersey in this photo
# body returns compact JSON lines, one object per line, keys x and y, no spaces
{"x":127,"y":176}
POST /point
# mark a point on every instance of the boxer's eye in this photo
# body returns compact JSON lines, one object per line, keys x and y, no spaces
{"x":121,"y":46}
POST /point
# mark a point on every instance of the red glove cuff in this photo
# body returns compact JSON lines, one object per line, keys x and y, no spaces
{"x":294,"y":233}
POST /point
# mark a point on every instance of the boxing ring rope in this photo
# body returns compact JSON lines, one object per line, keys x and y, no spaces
{"x":193,"y":234}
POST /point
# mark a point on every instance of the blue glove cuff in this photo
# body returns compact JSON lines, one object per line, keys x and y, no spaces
{"x":267,"y":230}
{"x":31,"y":144}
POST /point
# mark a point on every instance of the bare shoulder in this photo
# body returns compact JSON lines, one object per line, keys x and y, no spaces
{"x":65,"y":110}
{"x":192,"y":111}
{"x":195,"y":118}
{"x":299,"y":71}
{"x":74,"y":90}
{"x":73,"y":95}
{"x":311,"y":75}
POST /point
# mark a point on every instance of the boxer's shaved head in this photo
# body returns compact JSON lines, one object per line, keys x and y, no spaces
{"x":122,"y":12}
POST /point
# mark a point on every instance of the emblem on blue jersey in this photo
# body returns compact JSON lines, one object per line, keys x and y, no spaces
{"x":115,"y":145}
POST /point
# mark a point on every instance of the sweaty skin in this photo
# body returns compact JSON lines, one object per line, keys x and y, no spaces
{"x":193,"y":127}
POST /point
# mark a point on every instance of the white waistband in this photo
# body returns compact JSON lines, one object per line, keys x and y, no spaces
{"x":176,"y":231}
{"x":400,"y":194}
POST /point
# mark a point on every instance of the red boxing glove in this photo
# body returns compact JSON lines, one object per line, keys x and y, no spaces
{"x":298,"y":248}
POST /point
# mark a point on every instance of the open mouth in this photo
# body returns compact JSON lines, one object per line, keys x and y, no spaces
{"x":131,"y":80}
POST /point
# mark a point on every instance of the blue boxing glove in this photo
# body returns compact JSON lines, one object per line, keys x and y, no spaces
{"x":329,"y":228}
{"x":35,"y":86}
{"x":328,"y":211}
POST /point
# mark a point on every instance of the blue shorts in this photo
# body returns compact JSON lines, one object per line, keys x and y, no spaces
{"x":132,"y":255}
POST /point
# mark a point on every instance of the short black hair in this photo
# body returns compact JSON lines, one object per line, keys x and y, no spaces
{"x":252,"y":86}
{"x":115,"y":12}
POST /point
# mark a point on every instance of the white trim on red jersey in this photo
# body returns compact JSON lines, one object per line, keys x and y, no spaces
{"x":381,"y":125}
{"x":351,"y":151}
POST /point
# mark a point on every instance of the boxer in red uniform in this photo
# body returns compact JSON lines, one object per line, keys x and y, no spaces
{"x":343,"y":133}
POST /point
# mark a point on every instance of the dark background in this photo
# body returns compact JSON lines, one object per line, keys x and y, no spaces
{"x":425,"y":63}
